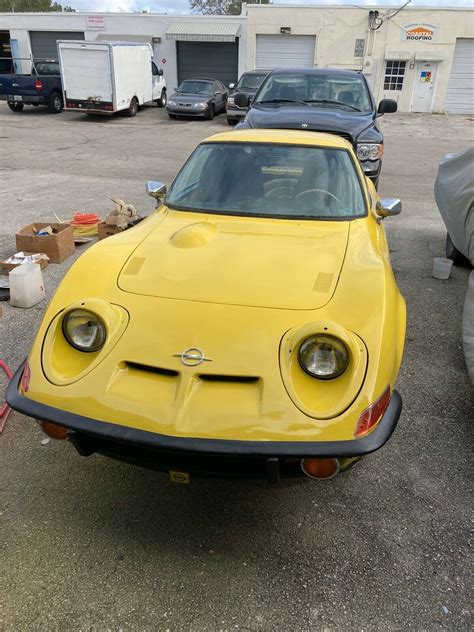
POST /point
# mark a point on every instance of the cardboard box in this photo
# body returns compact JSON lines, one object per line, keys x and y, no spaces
{"x":6,"y":267}
{"x":105,"y":230}
{"x":58,"y":246}
{"x":112,"y":220}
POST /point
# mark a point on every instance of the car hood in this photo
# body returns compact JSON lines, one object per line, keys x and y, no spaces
{"x":259,"y":262}
{"x":311,"y":118}
{"x":190,"y":98}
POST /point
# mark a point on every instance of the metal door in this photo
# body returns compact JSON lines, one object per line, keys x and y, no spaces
{"x":424,"y":86}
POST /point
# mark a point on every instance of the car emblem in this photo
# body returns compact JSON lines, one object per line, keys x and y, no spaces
{"x":192,"y":357}
{"x":305,"y":125}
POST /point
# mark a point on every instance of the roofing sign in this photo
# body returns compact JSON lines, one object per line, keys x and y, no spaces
{"x":419,"y":33}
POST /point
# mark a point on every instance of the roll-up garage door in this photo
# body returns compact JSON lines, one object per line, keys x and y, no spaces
{"x":460,"y":95}
{"x":43,"y":43}
{"x":216,"y":60}
{"x":285,"y":51}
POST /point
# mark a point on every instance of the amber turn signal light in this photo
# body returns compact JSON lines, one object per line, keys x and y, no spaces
{"x":53,"y":430}
{"x":320,"y":468}
{"x":373,"y":414}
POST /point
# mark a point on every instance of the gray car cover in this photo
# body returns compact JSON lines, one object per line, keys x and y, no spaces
{"x":454,"y":194}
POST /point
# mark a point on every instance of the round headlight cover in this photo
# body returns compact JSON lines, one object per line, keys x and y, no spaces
{"x":323,"y":356}
{"x":84,"y":330}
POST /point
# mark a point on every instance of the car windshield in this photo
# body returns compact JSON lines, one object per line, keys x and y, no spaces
{"x":47,"y":67}
{"x":333,"y":90}
{"x":250,"y":81}
{"x":195,"y":87}
{"x":274,"y":180}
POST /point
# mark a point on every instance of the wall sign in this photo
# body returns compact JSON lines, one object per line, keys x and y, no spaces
{"x":95,"y":23}
{"x":419,"y":32}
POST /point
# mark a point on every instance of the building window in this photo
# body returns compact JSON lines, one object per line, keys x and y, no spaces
{"x":359,"y":48}
{"x":394,"y":74}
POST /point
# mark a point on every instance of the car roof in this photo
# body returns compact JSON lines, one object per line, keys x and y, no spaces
{"x":280,"y":136}
{"x":319,"y":72}
{"x":257,"y":72}
{"x":199,"y":79}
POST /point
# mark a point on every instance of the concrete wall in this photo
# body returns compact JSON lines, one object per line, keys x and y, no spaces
{"x":337,"y":27}
{"x":152,"y":25}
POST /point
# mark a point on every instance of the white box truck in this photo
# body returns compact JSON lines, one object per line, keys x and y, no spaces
{"x":108,"y":77}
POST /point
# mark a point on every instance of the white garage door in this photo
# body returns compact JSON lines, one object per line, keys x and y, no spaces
{"x":285,"y":51}
{"x":460,"y":96}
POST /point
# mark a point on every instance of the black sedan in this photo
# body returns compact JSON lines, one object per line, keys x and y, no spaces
{"x":198,"y":97}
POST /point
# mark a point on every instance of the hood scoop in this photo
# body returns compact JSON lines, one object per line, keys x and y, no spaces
{"x":194,"y":235}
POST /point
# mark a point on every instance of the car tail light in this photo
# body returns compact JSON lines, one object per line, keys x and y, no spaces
{"x":25,"y":378}
{"x":320,"y":468}
{"x":53,"y":430}
{"x":109,"y":107}
{"x":38,"y":85}
{"x":373,"y":414}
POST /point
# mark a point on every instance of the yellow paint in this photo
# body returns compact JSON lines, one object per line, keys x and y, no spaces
{"x":246,"y":291}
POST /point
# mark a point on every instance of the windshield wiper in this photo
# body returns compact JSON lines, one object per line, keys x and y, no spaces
{"x":344,"y":105}
{"x":284,"y":101}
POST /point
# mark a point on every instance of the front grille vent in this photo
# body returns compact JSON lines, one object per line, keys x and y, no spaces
{"x":152,"y":369}
{"x":246,"y":379}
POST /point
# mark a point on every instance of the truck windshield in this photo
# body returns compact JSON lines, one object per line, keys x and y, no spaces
{"x":250,"y":81}
{"x":195,"y":87}
{"x":268,"y":179}
{"x":332,"y":90}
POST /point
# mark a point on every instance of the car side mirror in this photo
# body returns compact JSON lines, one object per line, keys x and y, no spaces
{"x":241,"y":100}
{"x":387,"y":106}
{"x":231,"y":85}
{"x":160,"y":72}
{"x":388,"y":207}
{"x":156,"y":190}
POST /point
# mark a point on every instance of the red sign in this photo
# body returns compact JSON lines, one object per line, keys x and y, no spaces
{"x":163,"y":61}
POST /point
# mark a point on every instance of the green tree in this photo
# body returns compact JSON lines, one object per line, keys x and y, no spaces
{"x":221,"y":7}
{"x":22,"y":6}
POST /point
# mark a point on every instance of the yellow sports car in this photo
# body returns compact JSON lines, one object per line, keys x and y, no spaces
{"x":251,"y":326}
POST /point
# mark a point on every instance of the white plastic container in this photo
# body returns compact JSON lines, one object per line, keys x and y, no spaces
{"x":26,"y":285}
{"x":442,"y":268}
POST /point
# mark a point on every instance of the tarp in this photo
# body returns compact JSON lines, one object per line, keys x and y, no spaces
{"x":454,"y":194}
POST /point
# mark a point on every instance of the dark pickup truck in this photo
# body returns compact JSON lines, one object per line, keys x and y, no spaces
{"x":41,"y":87}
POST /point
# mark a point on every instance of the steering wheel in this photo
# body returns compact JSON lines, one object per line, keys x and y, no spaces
{"x":321,"y":191}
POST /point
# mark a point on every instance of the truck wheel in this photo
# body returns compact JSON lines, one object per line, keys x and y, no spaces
{"x":132,"y":108}
{"x":162,"y":101}
{"x":15,"y":106}
{"x":55,"y":105}
{"x":231,"y":121}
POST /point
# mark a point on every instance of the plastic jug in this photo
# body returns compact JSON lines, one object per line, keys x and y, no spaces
{"x":26,"y":285}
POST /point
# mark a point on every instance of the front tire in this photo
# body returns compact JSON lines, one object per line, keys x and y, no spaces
{"x":15,"y":106}
{"x":172,"y":116}
{"x":163,"y":100}
{"x":453,"y":253}
{"x":211,"y":113}
{"x":231,"y":121}
{"x":55,"y":105}
{"x":132,"y":108}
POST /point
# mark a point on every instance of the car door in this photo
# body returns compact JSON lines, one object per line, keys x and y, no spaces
{"x":219,"y":95}
{"x":157,"y":81}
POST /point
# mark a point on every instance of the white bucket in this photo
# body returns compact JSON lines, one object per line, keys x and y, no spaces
{"x":26,"y":285}
{"x":442,"y":268}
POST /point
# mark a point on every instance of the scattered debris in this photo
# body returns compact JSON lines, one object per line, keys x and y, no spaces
{"x":45,"y":441}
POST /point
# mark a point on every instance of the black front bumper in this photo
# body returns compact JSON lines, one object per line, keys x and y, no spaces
{"x":205,"y":457}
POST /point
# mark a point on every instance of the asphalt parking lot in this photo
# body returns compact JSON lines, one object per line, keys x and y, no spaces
{"x":92,"y":544}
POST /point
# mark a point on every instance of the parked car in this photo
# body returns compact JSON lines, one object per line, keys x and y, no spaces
{"x":248,"y":83}
{"x":454,"y":195}
{"x":198,"y":97}
{"x":108,"y":77}
{"x":41,"y":86}
{"x":325,"y":100}
{"x":251,"y":330}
